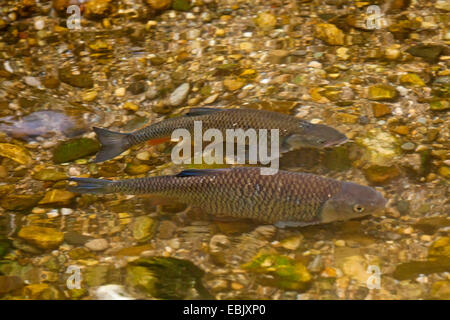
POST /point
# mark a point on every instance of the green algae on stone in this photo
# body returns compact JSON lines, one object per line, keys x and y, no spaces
{"x":42,"y":237}
{"x":75,"y":149}
{"x":439,"y":105}
{"x":49,"y":175}
{"x":380,"y":147}
{"x":167,"y":278}
{"x":96,"y":275}
{"x":20,"y":202}
{"x":284,"y":272}
{"x":143,"y":228}
{"x":181,"y":5}
{"x":411,"y":79}
{"x":382,"y":92}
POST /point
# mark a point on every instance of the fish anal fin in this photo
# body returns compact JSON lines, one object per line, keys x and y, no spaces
{"x":157,"y":141}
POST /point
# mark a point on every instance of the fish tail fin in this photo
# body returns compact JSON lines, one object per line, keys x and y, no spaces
{"x":113,"y":144}
{"x":90,"y":185}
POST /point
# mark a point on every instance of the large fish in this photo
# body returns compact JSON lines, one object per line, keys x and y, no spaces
{"x":284,"y":199}
{"x":294,"y":132}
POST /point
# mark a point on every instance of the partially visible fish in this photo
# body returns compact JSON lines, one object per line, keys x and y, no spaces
{"x":285,"y":198}
{"x":294,"y":132}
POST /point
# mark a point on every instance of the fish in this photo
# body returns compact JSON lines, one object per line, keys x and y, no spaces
{"x":285,"y":199}
{"x":294,"y":132}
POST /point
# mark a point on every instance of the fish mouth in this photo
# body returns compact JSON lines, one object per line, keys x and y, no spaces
{"x":336,"y":143}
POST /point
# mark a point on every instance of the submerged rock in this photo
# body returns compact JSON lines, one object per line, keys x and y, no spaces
{"x":428,"y":52}
{"x":266,"y":21}
{"x":440,"y":247}
{"x":382,"y":92}
{"x":75,"y":149}
{"x":181,"y":5}
{"x":57,"y":197}
{"x":79,"y":80}
{"x":167,"y":278}
{"x":42,"y":291}
{"x":16,"y":153}
{"x":412,"y":269}
{"x":283,"y":272}
{"x":143,"y":228}
{"x":159,"y":4}
{"x":10,"y":283}
{"x":49,"y":175}
{"x":42,"y":237}
{"x":440,"y":290}
{"x":330,"y":34}
{"x":20,"y":202}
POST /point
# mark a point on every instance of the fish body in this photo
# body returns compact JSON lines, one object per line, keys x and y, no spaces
{"x":285,"y":198}
{"x":293,"y":132}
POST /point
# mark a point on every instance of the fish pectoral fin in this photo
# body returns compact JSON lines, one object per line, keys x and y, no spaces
{"x":294,"y":224}
{"x":201,"y":111}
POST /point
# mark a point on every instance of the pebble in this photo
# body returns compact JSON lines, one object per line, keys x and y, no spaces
{"x":408,"y":146}
{"x":179,"y":95}
{"x":97,"y":244}
{"x":32,"y":81}
{"x":39,"y":24}
{"x":66,"y":211}
{"x":112,"y":292}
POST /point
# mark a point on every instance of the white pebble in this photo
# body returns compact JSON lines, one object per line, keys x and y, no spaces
{"x":112,"y":292}
{"x":315,"y":64}
{"x":39,"y":24}
{"x":66,"y":211}
{"x":32,"y":81}
{"x":74,"y":171}
{"x":97,"y":244}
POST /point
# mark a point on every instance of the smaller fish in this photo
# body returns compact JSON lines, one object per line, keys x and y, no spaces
{"x":284,"y":199}
{"x":294,"y":132}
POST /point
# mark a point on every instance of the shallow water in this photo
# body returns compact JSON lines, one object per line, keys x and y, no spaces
{"x":387,"y":89}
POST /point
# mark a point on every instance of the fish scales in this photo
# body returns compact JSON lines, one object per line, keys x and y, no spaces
{"x":243,"y":193}
{"x":222,"y":120}
{"x":293,"y":132}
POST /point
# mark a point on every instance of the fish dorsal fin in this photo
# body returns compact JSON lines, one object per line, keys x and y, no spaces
{"x":199,"y":172}
{"x":201,"y":111}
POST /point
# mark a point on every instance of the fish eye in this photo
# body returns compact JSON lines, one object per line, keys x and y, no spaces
{"x":358,"y":208}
